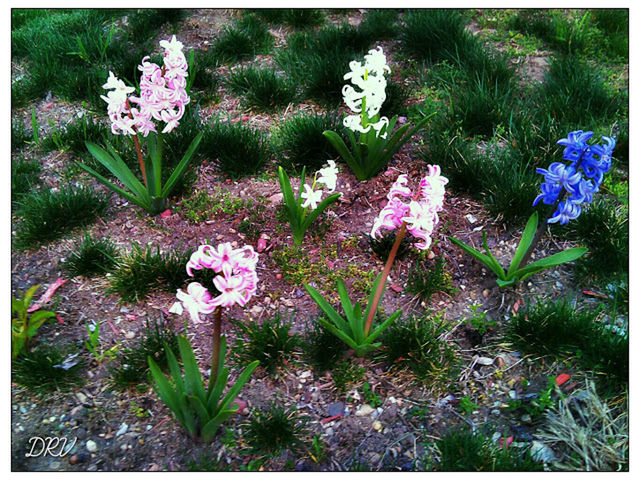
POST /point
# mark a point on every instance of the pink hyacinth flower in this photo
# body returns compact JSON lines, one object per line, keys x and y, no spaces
{"x":197,"y":300}
{"x":231,"y":291}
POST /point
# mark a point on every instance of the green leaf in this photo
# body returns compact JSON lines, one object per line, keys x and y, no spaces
{"x":496,"y":264}
{"x":180,"y":169}
{"x":210,"y":429}
{"x":154,"y":174}
{"x":525,"y":242}
{"x":322,"y":206}
{"x":382,"y":327}
{"x":165,"y":392}
{"x":174,"y":369}
{"x":192,"y":377}
{"x":197,"y":405}
{"x":144,"y":202}
{"x":481,"y":257}
{"x":334,"y":316}
{"x":117,"y":167}
{"x":221,"y":357}
{"x":237,"y":386}
{"x":372,"y":294}
{"x":339,"y":333}
{"x":561,"y":257}
{"x":338,"y":143}
{"x":28,"y":296}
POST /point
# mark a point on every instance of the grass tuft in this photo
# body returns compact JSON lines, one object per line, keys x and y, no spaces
{"x":275,"y":429}
{"x":271,"y":342}
{"x":134,"y":368}
{"x":263,"y":89}
{"x":46,"y":215}
{"x":25,"y":177}
{"x":427,"y":277}
{"x":41,"y":369}
{"x":244,"y":39}
{"x":322,"y":349}
{"x":91,"y":257}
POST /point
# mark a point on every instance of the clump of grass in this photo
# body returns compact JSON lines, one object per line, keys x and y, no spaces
{"x":91,"y":257}
{"x":416,"y":343}
{"x":246,"y":38}
{"x":603,"y":227}
{"x":43,"y":369}
{"x":592,"y":434}
{"x":294,"y":17}
{"x":144,"y":24}
{"x":461,"y":450}
{"x":240,"y":149}
{"x":46,"y":215}
{"x":275,"y":429}
{"x":205,"y":78}
{"x":345,"y":374}
{"x":434,"y":35}
{"x":19,"y":135}
{"x":271,"y":342}
{"x":427,"y":278}
{"x":144,"y":270}
{"x":575,"y":93}
{"x":25,"y":177}
{"x":322,"y":349}
{"x":263,"y":89}
{"x":75,"y":134}
{"x":379,"y":24}
{"x":134,"y":367}
{"x":301,"y":140}
{"x":560,"y":329}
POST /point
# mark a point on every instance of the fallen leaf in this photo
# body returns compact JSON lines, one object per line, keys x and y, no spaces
{"x":562,"y":378}
{"x":395,"y":288}
{"x":166,"y":213}
{"x":46,"y":297}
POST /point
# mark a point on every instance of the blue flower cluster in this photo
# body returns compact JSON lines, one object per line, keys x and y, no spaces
{"x":580,"y":179}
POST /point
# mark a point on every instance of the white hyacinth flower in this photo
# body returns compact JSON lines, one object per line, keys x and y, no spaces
{"x":329,"y":175}
{"x":312,"y":198}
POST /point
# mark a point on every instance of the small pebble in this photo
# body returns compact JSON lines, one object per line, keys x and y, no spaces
{"x":92,"y":446}
{"x":377,"y":426}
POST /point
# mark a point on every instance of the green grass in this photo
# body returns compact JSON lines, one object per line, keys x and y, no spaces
{"x":133,"y":368}
{"x":38,"y":369}
{"x":74,"y":135}
{"x":427,"y":277}
{"x":262,"y":89}
{"x":271,"y":342}
{"x":415,"y":343}
{"x":274,"y":429}
{"x":562,"y":330}
{"x":322,"y":349}
{"x":144,"y":270}
{"x":300,"y":139}
{"x":25,"y":177}
{"x":460,"y":450}
{"x":90,"y":257}
{"x":45,"y":215}
{"x":244,"y":39}
{"x":240,"y":149}
{"x":294,"y":17}
{"x":201,"y":206}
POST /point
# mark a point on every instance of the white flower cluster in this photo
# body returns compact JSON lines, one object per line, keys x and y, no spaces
{"x":369,"y":78}
{"x":328,"y":177}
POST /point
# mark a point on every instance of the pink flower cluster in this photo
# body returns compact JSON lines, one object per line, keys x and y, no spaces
{"x":163,"y":94}
{"x":421,"y":213}
{"x":236,"y":285}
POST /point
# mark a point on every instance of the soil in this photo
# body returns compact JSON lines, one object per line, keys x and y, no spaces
{"x":95,"y":414}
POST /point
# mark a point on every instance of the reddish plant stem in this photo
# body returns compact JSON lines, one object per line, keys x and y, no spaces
{"x":136,"y":142}
{"x":215,"y":355}
{"x":383,"y":279}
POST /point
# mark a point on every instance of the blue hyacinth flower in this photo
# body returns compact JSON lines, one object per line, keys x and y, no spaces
{"x":566,"y":211}
{"x":575,"y":144}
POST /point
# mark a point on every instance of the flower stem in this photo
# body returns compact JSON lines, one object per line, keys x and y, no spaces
{"x":140,"y":159}
{"x":215,"y":354}
{"x":383,"y":279}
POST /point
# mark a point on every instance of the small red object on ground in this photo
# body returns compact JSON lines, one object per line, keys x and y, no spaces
{"x":562,"y":378}
{"x":329,"y":419}
{"x":166,"y":213}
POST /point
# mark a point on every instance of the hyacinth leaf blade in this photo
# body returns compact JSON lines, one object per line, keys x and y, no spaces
{"x":182,"y":166}
{"x":215,"y":388}
{"x":164,"y":390}
{"x":326,"y":307}
{"x":338,"y":333}
{"x":494,"y":260}
{"x":193,"y":379}
{"x":382,"y":327}
{"x":154,"y":174}
{"x":481,"y":257}
{"x":343,"y":151}
{"x":322,"y":206}
{"x":117,"y":167}
{"x":559,"y":258}
{"x":143,"y":203}
{"x":525,"y":242}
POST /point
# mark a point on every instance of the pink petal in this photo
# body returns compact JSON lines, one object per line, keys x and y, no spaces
{"x":166,"y":213}
{"x":262,"y":244}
